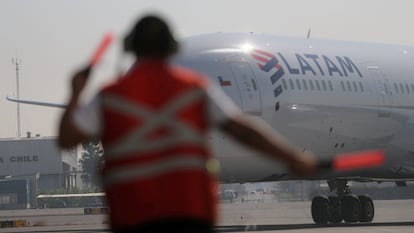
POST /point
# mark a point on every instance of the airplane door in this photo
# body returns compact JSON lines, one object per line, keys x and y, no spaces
{"x":384,"y":93}
{"x":249,"y":90}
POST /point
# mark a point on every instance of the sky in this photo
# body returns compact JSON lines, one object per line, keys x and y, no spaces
{"x":52,"y":38}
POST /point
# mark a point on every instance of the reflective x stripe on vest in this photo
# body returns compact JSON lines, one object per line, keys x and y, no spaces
{"x":134,"y":172}
{"x":135,"y":142}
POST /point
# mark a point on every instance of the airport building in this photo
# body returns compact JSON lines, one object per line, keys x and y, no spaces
{"x":34,"y":164}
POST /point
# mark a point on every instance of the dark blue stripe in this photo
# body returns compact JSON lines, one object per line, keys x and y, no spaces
{"x":278,"y":91}
{"x":270,"y":64}
{"x":276,"y":76}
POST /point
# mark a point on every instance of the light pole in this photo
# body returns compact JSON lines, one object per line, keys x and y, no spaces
{"x":16,"y":61}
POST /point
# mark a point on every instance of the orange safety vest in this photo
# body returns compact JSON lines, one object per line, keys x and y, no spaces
{"x":155,"y":125}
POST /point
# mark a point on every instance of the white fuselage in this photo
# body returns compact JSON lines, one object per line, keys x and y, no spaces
{"x":324,"y":96}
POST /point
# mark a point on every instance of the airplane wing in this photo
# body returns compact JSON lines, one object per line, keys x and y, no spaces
{"x":47,"y":104}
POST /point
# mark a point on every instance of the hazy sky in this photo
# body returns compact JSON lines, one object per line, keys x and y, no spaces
{"x":53,"y":37}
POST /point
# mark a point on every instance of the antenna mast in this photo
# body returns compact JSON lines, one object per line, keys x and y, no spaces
{"x":17,"y":61}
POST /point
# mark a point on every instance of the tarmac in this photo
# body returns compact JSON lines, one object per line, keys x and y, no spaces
{"x":396,"y":216}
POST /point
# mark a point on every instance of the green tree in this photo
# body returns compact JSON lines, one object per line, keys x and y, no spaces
{"x":92,"y":162}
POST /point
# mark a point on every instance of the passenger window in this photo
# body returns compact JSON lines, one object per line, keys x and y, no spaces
{"x":349,"y":86}
{"x":311,"y":85}
{"x":292,"y":86}
{"x":330,"y":85}
{"x":298,"y":84}
{"x":317,"y":85}
{"x":324,"y":85}
{"x":343,"y":86}
{"x":305,"y":85}
{"x":402,"y":88}
{"x":407,"y":88}
{"x":284,"y":84}
{"x":355,"y":86}
{"x":361,"y":87}
{"x":396,"y":88}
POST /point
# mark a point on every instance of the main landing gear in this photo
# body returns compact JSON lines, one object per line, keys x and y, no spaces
{"x":345,"y":206}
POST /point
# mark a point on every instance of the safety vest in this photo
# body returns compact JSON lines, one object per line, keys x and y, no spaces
{"x":155,"y":149}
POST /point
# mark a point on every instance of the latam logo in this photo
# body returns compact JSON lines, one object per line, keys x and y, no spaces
{"x":322,"y":66}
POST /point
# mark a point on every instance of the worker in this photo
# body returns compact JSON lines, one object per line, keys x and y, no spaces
{"x":153,"y":121}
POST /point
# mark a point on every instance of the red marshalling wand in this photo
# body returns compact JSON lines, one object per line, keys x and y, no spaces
{"x":355,"y":160}
{"x":99,"y":51}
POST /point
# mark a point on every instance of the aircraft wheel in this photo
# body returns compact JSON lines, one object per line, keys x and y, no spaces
{"x":367,"y":208}
{"x":351,"y":208}
{"x":320,"y":209}
{"x":335,"y":213}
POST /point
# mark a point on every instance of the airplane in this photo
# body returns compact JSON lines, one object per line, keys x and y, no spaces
{"x":324,"y":96}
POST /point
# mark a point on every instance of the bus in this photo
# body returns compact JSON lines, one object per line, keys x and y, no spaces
{"x":71,"y":200}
